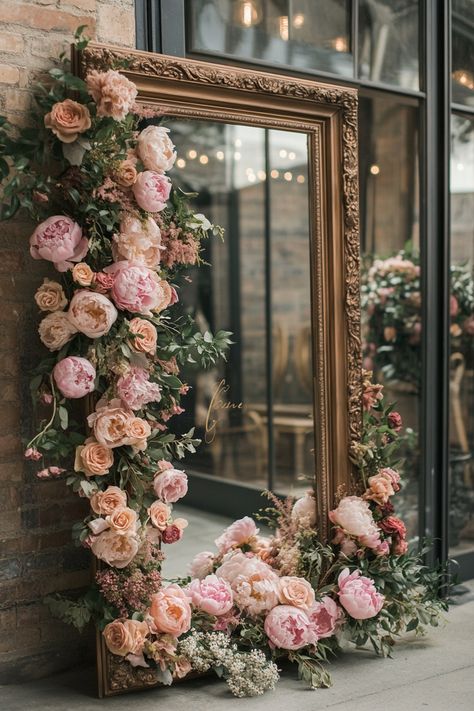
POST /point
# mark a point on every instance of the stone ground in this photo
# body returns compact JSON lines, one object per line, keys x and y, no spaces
{"x":435,"y":672}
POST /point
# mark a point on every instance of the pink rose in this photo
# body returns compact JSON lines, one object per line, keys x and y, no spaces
{"x":253,"y":582}
{"x":152,"y":190}
{"x":59,"y":240}
{"x":201,"y":565}
{"x":32,"y":454}
{"x":103,"y":282}
{"x":354,"y":516}
{"x":155,"y":149}
{"x":324,"y":616}
{"x":295,"y":591}
{"x":114,"y":548}
{"x":358,"y":596}
{"x":400,"y":547}
{"x":288,"y":627}
{"x":395,"y":421}
{"x":136,"y":390}
{"x":92,"y":314}
{"x":171,"y":611}
{"x":138,"y":241}
{"x":74,"y":376}
{"x":113,"y":93}
{"x":136,"y":288}
{"x":304,"y":511}
{"x":237,"y":534}
{"x":393,"y":526}
{"x":212,"y":595}
{"x":392,"y":475}
{"x":170,"y":485}
{"x":382,"y":549}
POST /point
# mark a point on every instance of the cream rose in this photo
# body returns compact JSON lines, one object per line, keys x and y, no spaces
{"x":105,"y":502}
{"x":123,"y":520}
{"x":50,"y":296}
{"x":295,"y":591}
{"x":145,"y":335}
{"x":126,"y":174}
{"x":92,"y":314}
{"x":159,"y":514}
{"x":82,"y":274}
{"x":55,"y":330}
{"x":93,"y":458}
{"x":115,"y":549}
{"x":126,"y":637}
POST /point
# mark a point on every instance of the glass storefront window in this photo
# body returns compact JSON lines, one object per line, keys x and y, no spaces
{"x":391,"y":291}
{"x":297,"y":33}
{"x":253,"y":182}
{"x":463,"y":57}
{"x":388,"y":42}
{"x":461,"y":441}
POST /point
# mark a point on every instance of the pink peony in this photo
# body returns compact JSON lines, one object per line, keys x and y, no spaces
{"x":237,"y":534}
{"x":113,"y":93}
{"x":136,"y":288}
{"x":74,"y":376}
{"x":253,"y":582}
{"x":171,"y":611}
{"x":59,"y":240}
{"x":324,"y":616}
{"x":170,"y":485}
{"x":354,"y":516}
{"x":201,"y":565}
{"x":152,"y":190}
{"x":136,"y":390}
{"x":212,"y":595}
{"x":155,"y":149}
{"x":92,"y":314}
{"x":288,"y":627}
{"x":304,"y":511}
{"x":358,"y":596}
{"x":138,"y":241}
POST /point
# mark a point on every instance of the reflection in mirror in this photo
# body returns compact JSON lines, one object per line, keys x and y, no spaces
{"x":254,"y":414}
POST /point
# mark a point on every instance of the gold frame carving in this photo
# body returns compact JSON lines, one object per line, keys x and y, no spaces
{"x":328,"y":114}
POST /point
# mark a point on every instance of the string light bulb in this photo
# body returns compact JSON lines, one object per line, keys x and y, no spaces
{"x":284,"y":27}
{"x":247,"y":13}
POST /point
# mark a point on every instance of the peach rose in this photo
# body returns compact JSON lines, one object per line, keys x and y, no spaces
{"x":380,"y":489}
{"x":126,"y":637}
{"x":55,"y":330}
{"x":93,"y":458}
{"x":159,"y":514}
{"x":122,"y":520}
{"x":126,"y":174}
{"x":82,"y":274}
{"x":92,"y":314}
{"x":165,"y":297}
{"x":138,"y":432}
{"x":50,"y":296}
{"x":67,"y":119}
{"x":138,"y":241}
{"x":105,"y":502}
{"x":171,"y":610}
{"x":111,"y":424}
{"x":145,"y":335}
{"x":295,"y":591}
{"x":114,"y":549}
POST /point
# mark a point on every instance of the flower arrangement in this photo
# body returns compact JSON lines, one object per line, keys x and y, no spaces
{"x":118,"y":235}
{"x":391,"y":300}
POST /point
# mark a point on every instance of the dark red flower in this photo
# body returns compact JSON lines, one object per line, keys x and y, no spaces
{"x":395,"y":421}
{"x":171,"y":534}
{"x":393,"y":526}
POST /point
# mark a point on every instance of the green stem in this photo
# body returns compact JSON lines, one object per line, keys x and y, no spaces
{"x":51,"y":420}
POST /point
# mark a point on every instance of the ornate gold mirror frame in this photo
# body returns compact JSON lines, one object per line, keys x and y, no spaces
{"x":328,"y":115}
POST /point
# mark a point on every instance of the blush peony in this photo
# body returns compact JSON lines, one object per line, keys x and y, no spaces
{"x":295,"y":591}
{"x":358,"y":596}
{"x":74,"y":376}
{"x":92,"y":314}
{"x":237,"y":534}
{"x":93,"y":459}
{"x":152,"y":190}
{"x":136,"y":288}
{"x":113,"y":93}
{"x":171,"y":611}
{"x":201,"y":565}
{"x":136,"y":390}
{"x":304,"y":511}
{"x":155,"y":149}
{"x":59,"y":240}
{"x":354,"y":516}
{"x":253,"y":582}
{"x":212,"y":595}
{"x":289,"y":628}
{"x":138,"y":241}
{"x":55,"y":330}
{"x":324,"y":616}
{"x":170,"y":485}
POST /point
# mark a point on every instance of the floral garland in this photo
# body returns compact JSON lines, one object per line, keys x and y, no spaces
{"x":391,"y":298}
{"x":117,"y":232}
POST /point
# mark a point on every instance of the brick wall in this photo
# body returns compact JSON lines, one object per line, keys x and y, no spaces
{"x":36,"y":556}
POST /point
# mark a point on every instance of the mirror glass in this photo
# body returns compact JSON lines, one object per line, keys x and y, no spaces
{"x":253,"y":413}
